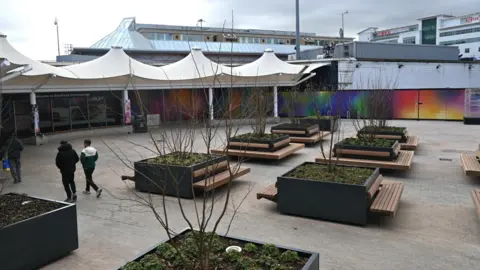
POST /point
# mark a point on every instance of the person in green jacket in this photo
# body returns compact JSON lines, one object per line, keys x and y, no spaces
{"x":88,"y":159}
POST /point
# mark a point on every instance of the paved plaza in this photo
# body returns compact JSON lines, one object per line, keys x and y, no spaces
{"x":436,"y":226}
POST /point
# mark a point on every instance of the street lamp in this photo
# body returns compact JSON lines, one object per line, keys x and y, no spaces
{"x":342,"y":31}
{"x":58,"y":36}
{"x":297,"y":34}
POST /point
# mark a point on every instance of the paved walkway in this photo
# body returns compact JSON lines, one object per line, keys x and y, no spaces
{"x":435,"y":228}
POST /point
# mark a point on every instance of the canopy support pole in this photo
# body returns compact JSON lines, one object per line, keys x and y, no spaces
{"x":275,"y":101}
{"x":36,"y":118}
{"x":126,"y":107}
{"x":210,"y":103}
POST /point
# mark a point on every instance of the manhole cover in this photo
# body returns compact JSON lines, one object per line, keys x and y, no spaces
{"x":445,"y":159}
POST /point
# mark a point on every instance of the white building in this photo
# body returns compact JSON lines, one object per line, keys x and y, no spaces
{"x":461,"y":31}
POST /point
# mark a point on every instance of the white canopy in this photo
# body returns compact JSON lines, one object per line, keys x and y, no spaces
{"x":267,"y":64}
{"x":194,"y":66}
{"x":115,"y":63}
{"x":13,"y":56}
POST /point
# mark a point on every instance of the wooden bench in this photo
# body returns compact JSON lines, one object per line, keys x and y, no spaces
{"x":270,"y":193}
{"x":476,"y":200}
{"x":411,"y":144}
{"x":312,"y":139}
{"x":219,"y":179}
{"x":387,"y":198}
{"x":279,"y":154}
{"x":403,"y":163}
{"x":470,"y":164}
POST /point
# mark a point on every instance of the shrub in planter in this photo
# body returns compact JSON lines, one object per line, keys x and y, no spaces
{"x":256,"y":142}
{"x":295,"y":130}
{"x":367,"y":148}
{"x":254,"y":255}
{"x":337,"y":194}
{"x":35,"y":231}
{"x":325,"y":123}
{"x":394,"y":133}
{"x":173,"y":174}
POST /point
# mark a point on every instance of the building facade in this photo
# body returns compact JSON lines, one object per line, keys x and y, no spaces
{"x":460,"y":31}
{"x":164,"y":44}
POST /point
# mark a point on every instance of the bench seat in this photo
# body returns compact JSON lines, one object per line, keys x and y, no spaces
{"x":387,"y":199}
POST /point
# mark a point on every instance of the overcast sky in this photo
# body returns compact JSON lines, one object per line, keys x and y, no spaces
{"x":29,"y":23}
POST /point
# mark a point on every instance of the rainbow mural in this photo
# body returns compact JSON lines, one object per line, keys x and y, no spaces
{"x":436,"y":104}
{"x":184,"y":104}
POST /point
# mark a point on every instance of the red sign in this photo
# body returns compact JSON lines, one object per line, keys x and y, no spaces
{"x":471,"y":19}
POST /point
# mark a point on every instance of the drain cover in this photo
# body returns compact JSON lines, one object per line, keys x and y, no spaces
{"x":445,"y":159}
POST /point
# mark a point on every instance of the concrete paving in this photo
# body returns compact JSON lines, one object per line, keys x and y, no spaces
{"x":436,"y":226}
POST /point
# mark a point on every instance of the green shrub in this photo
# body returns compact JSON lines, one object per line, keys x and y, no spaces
{"x":289,"y":256}
{"x":133,"y":266}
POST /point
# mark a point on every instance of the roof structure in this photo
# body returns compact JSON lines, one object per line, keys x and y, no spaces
{"x":128,"y":38}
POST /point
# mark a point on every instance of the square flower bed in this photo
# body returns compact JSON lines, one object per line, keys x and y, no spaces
{"x":256,"y":142}
{"x":35,"y":231}
{"x":325,"y":123}
{"x":173,"y":174}
{"x":311,"y":190}
{"x":295,"y":130}
{"x":393,"y":133}
{"x":254,"y":255}
{"x":371,"y":148}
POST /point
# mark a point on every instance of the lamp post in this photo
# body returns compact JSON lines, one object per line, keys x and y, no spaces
{"x":342,"y":33}
{"x":297,"y":32}
{"x":58,"y":36}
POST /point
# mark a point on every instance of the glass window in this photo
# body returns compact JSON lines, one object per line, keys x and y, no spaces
{"x":97,"y":110}
{"x":169,"y":36}
{"x":60,"y":112}
{"x":191,"y":37}
{"x":79,"y":110}
{"x":45,"y":113}
{"x":467,"y":50}
{"x":151,"y":36}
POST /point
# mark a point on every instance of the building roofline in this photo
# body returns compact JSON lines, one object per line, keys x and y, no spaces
{"x":104,"y":50}
{"x":374,"y":28}
{"x":435,"y":16}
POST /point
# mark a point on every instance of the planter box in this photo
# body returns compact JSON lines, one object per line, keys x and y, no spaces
{"x":339,"y":202}
{"x":296,"y":130}
{"x":34,"y":242}
{"x":313,"y":262}
{"x":259,"y":145}
{"x":401,"y":136}
{"x":367,"y":152}
{"x":172,"y":180}
{"x":324,"y":124}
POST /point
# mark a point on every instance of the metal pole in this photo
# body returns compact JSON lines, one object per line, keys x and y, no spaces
{"x":58,"y":37}
{"x":297,"y":36}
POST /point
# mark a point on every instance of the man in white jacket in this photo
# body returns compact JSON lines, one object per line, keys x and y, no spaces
{"x":88,"y":158}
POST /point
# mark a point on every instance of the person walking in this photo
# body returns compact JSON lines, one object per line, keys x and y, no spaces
{"x":66,"y":161}
{"x":88,"y":158}
{"x":13,"y":148}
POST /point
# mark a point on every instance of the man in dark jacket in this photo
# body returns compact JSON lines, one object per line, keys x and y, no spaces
{"x":13,"y":148}
{"x":66,"y":161}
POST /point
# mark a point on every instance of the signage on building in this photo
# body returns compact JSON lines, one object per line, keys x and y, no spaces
{"x":471,"y":19}
{"x":393,"y":31}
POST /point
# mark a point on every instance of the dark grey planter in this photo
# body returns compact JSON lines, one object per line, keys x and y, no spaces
{"x":170,"y":180}
{"x":367,"y":152}
{"x":259,"y":145}
{"x":401,"y":136}
{"x":324,"y":124}
{"x":313,"y":262}
{"x":338,"y":202}
{"x":37,"y":241}
{"x":296,"y":130}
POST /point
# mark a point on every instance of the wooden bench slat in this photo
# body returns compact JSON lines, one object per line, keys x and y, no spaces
{"x":388,"y":198}
{"x":312,"y":139}
{"x":269,"y":193}
{"x":219,"y":179}
{"x":470,"y":164}
{"x":374,"y":188}
{"x":410,"y":144}
{"x":476,"y":200}
{"x":279,"y":154}
{"x":403,"y":162}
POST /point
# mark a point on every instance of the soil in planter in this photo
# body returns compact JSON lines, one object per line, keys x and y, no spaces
{"x":16,"y":207}
{"x":248,"y":137}
{"x":373,"y":142}
{"x":183,"y":254}
{"x":384,"y":129}
{"x":338,"y":174}
{"x":181,"y":159}
{"x":293,"y":126}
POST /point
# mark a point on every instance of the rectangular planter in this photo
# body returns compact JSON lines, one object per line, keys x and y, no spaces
{"x":259,"y":145}
{"x":383,"y":134}
{"x":34,"y":242}
{"x":296,"y":130}
{"x":324,"y":124}
{"x":367,"y":152}
{"x":313,"y":262}
{"x":172,"y":180}
{"x":338,"y":202}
